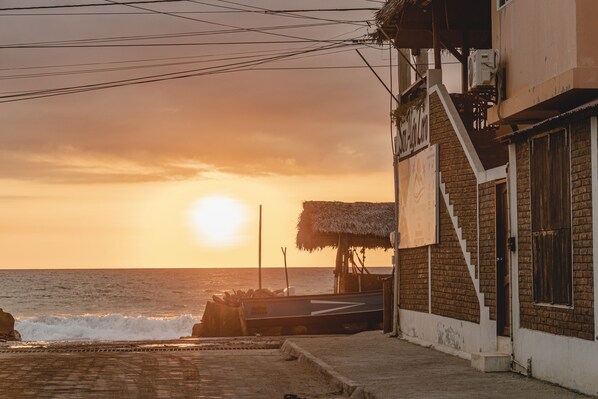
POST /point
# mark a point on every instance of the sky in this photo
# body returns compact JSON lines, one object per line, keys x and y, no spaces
{"x":124,"y":176}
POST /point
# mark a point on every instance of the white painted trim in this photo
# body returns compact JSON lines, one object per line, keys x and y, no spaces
{"x":484,"y":310}
{"x":482,"y":175}
{"x":462,"y":241}
{"x":594,"y":152}
{"x":459,"y":128}
{"x":514,"y":255}
{"x":429,"y":279}
{"x":497,"y":173}
{"x":477,"y":217}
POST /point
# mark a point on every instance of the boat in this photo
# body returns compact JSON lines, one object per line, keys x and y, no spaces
{"x":314,"y":314}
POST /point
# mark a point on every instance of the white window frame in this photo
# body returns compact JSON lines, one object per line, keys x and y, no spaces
{"x":501,"y":6}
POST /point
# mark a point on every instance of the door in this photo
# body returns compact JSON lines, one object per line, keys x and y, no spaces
{"x":503,"y":294}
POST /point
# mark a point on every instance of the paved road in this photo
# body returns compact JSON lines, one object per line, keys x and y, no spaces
{"x":237,"y":373}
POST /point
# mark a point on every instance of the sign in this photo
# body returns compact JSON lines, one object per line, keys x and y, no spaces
{"x":414,"y":131}
{"x":418,"y":199}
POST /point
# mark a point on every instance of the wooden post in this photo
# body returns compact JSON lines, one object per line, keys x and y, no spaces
{"x":404,"y":71}
{"x":436,"y":33}
{"x":421,"y":61}
{"x":259,"y":255}
{"x":465,"y":63}
{"x":286,"y":271}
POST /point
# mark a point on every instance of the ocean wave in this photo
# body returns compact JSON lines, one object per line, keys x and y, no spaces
{"x":108,"y":327}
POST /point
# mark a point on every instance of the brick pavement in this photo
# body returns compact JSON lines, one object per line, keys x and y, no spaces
{"x":214,"y":374}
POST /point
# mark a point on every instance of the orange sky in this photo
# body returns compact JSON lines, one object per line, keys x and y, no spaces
{"x":108,"y":178}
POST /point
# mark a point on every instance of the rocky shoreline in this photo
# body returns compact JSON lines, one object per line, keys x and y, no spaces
{"x":7,"y":327}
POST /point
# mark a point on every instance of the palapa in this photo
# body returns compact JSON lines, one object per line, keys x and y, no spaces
{"x":364,"y":224}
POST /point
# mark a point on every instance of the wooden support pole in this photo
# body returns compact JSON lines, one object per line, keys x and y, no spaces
{"x":286,"y":271}
{"x":436,"y":33}
{"x":465,"y":63}
{"x":339,"y":266}
{"x":259,"y":255}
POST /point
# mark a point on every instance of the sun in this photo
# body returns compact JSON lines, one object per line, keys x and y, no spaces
{"x":218,"y":221}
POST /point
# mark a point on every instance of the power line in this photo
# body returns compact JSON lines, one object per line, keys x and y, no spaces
{"x":136,"y":61}
{"x":134,"y":67}
{"x":172,"y":35}
{"x":211,"y":22}
{"x":302,"y":68}
{"x":237,"y":43}
{"x":87,"y":5}
{"x":272,"y":12}
{"x":237,"y":66}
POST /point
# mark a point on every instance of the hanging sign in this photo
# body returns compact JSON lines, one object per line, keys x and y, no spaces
{"x":414,"y":130}
{"x":418,"y":195}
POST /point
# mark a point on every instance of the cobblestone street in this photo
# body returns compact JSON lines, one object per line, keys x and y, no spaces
{"x":237,"y":373}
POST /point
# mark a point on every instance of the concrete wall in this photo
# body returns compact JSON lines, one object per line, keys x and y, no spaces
{"x":547,"y":48}
{"x":536,"y":39}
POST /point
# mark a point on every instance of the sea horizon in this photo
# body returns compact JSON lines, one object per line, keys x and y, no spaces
{"x":134,"y":303}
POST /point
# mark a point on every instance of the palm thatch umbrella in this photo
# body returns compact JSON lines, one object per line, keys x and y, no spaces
{"x":344,"y":225}
{"x":361,"y":224}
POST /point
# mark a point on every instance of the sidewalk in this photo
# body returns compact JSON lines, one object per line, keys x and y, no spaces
{"x":372,"y":365}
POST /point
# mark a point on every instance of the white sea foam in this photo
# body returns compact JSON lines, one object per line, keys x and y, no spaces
{"x":108,"y":327}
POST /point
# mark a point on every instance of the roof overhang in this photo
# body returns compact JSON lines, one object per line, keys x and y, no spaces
{"x":462,"y":23}
{"x":585,"y":110}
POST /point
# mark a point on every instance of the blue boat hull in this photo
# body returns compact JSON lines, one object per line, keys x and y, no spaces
{"x":312,"y":314}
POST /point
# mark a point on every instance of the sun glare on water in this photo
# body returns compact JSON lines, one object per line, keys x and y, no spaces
{"x":218,"y":221}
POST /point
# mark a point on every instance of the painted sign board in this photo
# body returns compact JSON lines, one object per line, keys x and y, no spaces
{"x":414,"y":131}
{"x":418,"y":199}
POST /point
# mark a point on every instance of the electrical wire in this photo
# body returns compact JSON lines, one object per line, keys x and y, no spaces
{"x":87,"y":5}
{"x":171,"y":35}
{"x":146,"y":66}
{"x":286,"y":14}
{"x":237,"y":66}
{"x":212,"y":22}
{"x":247,"y":63}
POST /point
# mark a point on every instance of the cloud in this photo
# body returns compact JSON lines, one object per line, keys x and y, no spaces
{"x":250,"y":123}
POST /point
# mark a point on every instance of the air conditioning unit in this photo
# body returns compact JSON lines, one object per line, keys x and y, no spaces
{"x":483,"y":65}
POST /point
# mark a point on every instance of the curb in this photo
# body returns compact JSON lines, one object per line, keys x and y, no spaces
{"x":349,"y":387}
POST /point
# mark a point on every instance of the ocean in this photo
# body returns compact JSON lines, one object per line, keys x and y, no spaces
{"x":131,"y":304}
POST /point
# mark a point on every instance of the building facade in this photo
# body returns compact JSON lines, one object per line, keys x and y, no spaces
{"x":510,"y":280}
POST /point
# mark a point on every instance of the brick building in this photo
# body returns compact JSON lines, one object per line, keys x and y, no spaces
{"x":508,"y":277}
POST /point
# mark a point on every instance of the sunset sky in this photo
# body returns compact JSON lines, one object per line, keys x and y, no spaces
{"x":120,"y":177}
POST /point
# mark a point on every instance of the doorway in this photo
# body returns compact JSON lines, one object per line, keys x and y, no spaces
{"x":503,"y":305}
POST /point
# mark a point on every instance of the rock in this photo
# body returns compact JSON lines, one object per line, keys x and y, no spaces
{"x":223,"y":321}
{"x":7,"y":327}
{"x":197,"y":330}
{"x":16,"y":336}
{"x":7,"y":322}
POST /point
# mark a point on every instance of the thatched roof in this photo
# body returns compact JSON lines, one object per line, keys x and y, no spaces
{"x":409,"y":23}
{"x":389,"y":11}
{"x":365,"y":224}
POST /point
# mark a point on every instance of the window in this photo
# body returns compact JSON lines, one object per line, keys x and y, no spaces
{"x":501,"y":3}
{"x":551,"y":219}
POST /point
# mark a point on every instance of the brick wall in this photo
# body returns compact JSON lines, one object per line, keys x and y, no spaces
{"x":460,"y":180}
{"x":487,"y":268}
{"x":577,"y":321}
{"x":453,"y":293}
{"x":414,"y":279}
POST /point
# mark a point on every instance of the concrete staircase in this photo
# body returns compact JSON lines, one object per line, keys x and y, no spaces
{"x":484,"y":310}
{"x":487,"y":362}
